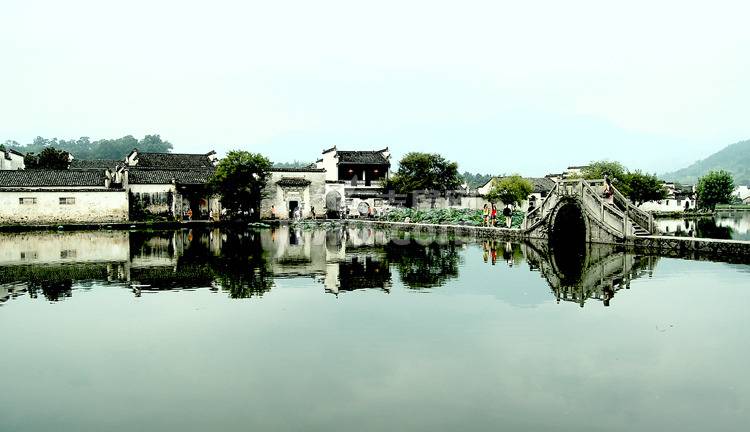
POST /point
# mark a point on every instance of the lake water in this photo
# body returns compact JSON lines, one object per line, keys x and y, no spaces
{"x":364,"y":330}
{"x":724,"y":225}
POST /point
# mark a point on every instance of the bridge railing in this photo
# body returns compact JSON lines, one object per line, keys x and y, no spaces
{"x":642,"y":218}
{"x":609,"y":215}
{"x":535,"y":216}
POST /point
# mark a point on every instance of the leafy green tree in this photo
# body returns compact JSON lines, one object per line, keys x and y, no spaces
{"x":714,"y":188}
{"x":643,"y":187}
{"x":239,"y":179}
{"x":510,"y":190}
{"x":49,"y":158}
{"x":425,"y":171}
{"x":596,"y":170}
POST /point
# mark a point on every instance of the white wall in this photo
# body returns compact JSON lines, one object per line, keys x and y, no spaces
{"x":329,"y":164}
{"x":667,"y":205}
{"x":15,"y":162}
{"x":152,"y":189}
{"x":95,"y":207}
{"x":61,"y":247}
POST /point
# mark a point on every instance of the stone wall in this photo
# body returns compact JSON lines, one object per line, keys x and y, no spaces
{"x":45,"y":207}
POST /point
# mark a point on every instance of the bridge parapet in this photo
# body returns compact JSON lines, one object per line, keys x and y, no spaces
{"x":605,"y":222}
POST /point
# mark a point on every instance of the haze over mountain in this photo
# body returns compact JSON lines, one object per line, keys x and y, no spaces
{"x":734,"y":158}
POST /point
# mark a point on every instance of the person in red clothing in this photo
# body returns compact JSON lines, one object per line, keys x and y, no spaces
{"x":493,"y":215}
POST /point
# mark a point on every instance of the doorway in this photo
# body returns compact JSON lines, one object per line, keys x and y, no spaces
{"x":293,"y":205}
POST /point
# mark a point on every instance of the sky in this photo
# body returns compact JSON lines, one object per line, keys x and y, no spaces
{"x":500,"y":87}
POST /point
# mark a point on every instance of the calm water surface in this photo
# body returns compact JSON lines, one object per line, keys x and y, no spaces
{"x":724,"y":225}
{"x":356,"y":329}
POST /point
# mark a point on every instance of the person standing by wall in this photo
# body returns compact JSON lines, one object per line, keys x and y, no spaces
{"x":486,"y":215}
{"x":508,"y":213}
{"x":493,"y":215}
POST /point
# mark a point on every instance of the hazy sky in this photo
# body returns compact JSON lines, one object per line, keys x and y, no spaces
{"x":522,"y":86}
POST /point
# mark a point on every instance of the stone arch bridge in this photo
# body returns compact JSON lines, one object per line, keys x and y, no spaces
{"x":576,"y":208}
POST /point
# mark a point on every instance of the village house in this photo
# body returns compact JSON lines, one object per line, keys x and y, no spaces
{"x":60,"y":196}
{"x":169,"y":184}
{"x":354,"y":180}
{"x":679,"y":198}
{"x":289,"y":189}
{"x":10,"y":159}
{"x":743,"y":193}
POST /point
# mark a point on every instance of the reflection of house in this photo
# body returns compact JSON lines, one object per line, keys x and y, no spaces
{"x":343,"y":260}
{"x":170,"y":184}
{"x":354,"y":179}
{"x":60,"y":196}
{"x":288,"y":189}
{"x":10,"y":159}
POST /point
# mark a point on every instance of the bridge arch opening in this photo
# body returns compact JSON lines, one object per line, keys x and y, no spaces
{"x":567,"y":241}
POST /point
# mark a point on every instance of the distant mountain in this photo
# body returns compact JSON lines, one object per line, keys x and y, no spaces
{"x":734,"y":158}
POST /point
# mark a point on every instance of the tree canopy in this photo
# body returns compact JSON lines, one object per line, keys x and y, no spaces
{"x":510,"y":190}
{"x":637,"y":186}
{"x":425,"y":171}
{"x":84,"y":148}
{"x":49,"y":158}
{"x":596,"y":170}
{"x":239,"y":179}
{"x":714,"y":188}
{"x":640,"y":187}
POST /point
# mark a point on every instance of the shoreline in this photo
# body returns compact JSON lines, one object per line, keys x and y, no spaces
{"x":737,"y":251}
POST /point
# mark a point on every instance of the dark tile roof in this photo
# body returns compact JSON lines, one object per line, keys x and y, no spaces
{"x":94,"y":163}
{"x":362,"y":157}
{"x":9,"y":151}
{"x":165,"y":176}
{"x":293,"y":181}
{"x":42,"y":178}
{"x":174,"y":160}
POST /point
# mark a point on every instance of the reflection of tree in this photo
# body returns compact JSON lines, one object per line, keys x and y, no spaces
{"x":707,"y":228}
{"x":369,"y":272}
{"x":424,"y":265}
{"x":242,"y":269}
{"x":55,"y":282}
{"x":52,"y":290}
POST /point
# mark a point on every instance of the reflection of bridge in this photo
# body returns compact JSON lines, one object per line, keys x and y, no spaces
{"x":604,"y":222}
{"x":597,"y":273}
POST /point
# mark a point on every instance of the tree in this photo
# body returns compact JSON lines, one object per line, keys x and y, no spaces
{"x":510,"y":190}
{"x":616,"y":171}
{"x":84,"y":148}
{"x":49,"y":158}
{"x":425,"y":171}
{"x":643,"y":187}
{"x":714,"y":188}
{"x":239,"y":179}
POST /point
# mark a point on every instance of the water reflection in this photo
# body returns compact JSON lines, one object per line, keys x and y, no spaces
{"x":602,"y":271}
{"x":246,"y":264}
{"x":724,"y":225}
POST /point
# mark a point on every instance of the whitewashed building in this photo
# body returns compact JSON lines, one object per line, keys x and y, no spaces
{"x":60,"y":196}
{"x":289,"y":189}
{"x":679,"y":199}
{"x":743,"y":193}
{"x":11,"y":159}
{"x":354,"y":180}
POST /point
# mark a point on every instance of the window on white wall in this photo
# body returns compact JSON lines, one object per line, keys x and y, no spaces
{"x":67,"y":200}
{"x":26,"y":201}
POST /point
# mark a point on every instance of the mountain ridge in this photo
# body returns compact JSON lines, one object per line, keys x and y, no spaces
{"x":734,"y":158}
